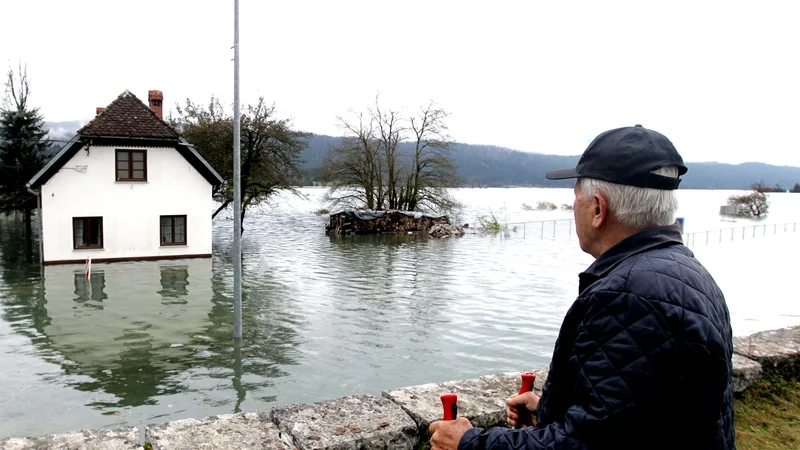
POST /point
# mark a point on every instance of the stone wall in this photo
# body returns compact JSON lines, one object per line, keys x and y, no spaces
{"x":398,"y":419}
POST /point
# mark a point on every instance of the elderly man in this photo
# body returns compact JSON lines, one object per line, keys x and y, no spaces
{"x":643,"y":357}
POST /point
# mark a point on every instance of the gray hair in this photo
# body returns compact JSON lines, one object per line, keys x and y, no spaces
{"x":634,"y":206}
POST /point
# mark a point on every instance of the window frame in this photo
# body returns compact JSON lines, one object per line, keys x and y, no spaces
{"x":185,"y":230}
{"x":86,"y":233}
{"x":130,"y":177}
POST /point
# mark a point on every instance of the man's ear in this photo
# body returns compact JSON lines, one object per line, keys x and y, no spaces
{"x":599,"y":211}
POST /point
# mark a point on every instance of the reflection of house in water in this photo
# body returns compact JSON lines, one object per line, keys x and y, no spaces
{"x":92,"y":290}
{"x":131,"y":326}
{"x":174,"y":284}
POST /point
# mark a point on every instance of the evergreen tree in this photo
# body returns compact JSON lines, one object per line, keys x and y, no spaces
{"x":23,"y":145}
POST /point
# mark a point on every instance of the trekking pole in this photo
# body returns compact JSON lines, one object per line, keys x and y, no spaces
{"x":450,"y":406}
{"x":527,"y":386}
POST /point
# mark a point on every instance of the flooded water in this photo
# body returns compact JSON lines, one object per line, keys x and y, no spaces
{"x":325,"y":317}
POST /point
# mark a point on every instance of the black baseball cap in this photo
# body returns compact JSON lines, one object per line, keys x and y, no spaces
{"x":627,"y":156}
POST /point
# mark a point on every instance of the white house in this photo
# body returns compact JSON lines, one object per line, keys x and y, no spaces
{"x":126,"y":187}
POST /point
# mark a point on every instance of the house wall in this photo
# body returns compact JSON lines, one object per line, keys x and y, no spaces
{"x":130,"y":210}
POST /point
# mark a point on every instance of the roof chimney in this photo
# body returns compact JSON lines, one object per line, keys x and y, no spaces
{"x":98,"y":110}
{"x":155,"y":98}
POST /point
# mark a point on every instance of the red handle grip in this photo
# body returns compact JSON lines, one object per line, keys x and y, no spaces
{"x":527,"y":382}
{"x":527,"y":385}
{"x":450,"y":405}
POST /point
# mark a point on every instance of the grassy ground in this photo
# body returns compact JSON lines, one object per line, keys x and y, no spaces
{"x":768,"y":415}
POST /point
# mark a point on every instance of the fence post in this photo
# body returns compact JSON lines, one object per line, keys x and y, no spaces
{"x":706,"y":237}
{"x":754,"y":231}
{"x":765,"y":230}
{"x":524,"y":226}
{"x":775,"y":229}
{"x":720,"y":235}
{"x":542,"y":229}
{"x":743,"y":230}
{"x":554,"y":229}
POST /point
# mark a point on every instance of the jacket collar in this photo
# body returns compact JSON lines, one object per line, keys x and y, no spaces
{"x":642,"y":241}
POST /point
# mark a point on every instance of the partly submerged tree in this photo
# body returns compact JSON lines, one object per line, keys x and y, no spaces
{"x":754,"y":204}
{"x":390,"y":161}
{"x":270,"y":149}
{"x":23,"y":146}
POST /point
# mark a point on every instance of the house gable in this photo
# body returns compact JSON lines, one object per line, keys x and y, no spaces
{"x":127,"y":116}
{"x":127,"y":121}
{"x":87,"y":212}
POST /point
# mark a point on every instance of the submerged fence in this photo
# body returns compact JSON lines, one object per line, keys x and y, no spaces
{"x":564,"y":229}
{"x":746,"y":232}
{"x":540,"y":229}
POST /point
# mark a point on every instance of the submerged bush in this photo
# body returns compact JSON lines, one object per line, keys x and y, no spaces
{"x":754,"y":204}
{"x":548,"y":206}
{"x":490,"y":224}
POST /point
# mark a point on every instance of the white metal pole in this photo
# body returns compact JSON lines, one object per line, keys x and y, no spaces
{"x":237,"y":191}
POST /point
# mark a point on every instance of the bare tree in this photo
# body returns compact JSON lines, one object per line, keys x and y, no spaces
{"x":433,"y":170}
{"x":390,"y":161}
{"x":754,"y":204}
{"x":356,"y":162}
{"x":390,"y":133}
{"x":270,"y":150}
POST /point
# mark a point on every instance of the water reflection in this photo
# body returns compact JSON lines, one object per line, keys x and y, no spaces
{"x":139,"y":332}
{"x":129,"y":326}
{"x":174,"y":284}
{"x":270,"y":340}
{"x":409,"y":271}
{"x":90,"y":292}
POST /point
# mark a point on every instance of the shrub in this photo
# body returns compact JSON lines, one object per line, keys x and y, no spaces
{"x":754,"y":204}
{"x":490,"y":224}
{"x":549,"y":206}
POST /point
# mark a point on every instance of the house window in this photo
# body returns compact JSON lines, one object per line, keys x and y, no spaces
{"x":173,"y":230}
{"x":87,"y":232}
{"x":131,"y":165}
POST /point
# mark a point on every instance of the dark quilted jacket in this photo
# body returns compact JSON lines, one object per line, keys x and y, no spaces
{"x":642,"y":361}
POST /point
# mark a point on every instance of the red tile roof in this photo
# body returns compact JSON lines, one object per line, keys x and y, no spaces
{"x":127,"y":116}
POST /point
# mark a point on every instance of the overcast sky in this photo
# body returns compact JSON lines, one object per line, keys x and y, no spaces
{"x":721,"y":79}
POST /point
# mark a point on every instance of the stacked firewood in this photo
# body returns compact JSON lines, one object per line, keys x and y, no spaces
{"x":373,"y":222}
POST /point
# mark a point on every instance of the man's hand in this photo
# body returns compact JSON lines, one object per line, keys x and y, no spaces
{"x":529,"y":402}
{"x":445,"y":435}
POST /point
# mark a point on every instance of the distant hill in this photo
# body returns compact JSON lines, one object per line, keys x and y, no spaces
{"x":61,"y":132}
{"x":488,"y":165}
